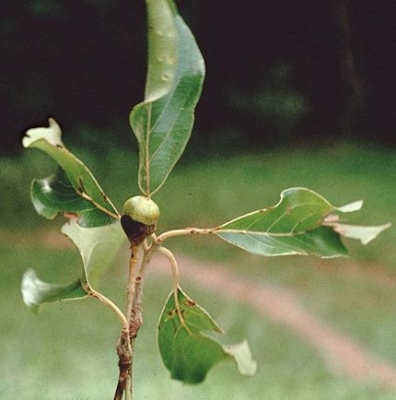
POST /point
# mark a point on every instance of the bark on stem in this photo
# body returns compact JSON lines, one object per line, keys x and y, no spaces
{"x":129,"y":333}
{"x":125,"y":356}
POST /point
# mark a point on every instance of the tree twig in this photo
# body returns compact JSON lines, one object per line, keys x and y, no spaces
{"x":125,"y":357}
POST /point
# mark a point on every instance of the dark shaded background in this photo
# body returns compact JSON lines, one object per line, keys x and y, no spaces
{"x":278,"y":72}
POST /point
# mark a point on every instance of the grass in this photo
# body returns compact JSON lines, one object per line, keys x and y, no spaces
{"x":67,"y":352}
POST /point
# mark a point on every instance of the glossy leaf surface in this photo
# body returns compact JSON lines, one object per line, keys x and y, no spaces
{"x":162,"y":123}
{"x":73,"y":189}
{"x":187,"y":352}
{"x":55,"y":194}
{"x":298,"y":224}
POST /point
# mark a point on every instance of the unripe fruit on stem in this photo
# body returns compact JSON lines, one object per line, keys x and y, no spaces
{"x":141,"y":209}
{"x":138,"y":219}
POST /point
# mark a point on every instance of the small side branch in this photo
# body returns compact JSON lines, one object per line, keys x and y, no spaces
{"x":109,"y":304}
{"x":175,"y":272}
{"x":183,"y":232}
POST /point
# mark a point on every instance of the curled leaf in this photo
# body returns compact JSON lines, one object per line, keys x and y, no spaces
{"x":73,"y":189}
{"x":36,"y":292}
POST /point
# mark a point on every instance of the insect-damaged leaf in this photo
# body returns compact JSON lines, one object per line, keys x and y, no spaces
{"x":187,"y":352}
{"x":298,"y":224}
{"x":162,"y":123}
{"x":73,"y":189}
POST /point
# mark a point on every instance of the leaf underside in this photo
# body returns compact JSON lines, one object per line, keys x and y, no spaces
{"x":98,"y":248}
{"x":187,"y":352}
{"x":36,"y":292}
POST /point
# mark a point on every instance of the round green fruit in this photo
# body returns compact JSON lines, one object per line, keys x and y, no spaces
{"x":141,"y":209}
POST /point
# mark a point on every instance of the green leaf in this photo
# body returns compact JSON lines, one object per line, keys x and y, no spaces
{"x":363,"y":233}
{"x":55,"y":194}
{"x":162,"y":123}
{"x":98,"y":248}
{"x":162,"y":49}
{"x":73,"y":189}
{"x":36,"y":292}
{"x":299,"y":224}
{"x":186,"y":351}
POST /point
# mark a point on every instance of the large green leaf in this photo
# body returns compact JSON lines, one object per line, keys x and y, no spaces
{"x":162,"y":123}
{"x":73,"y":189}
{"x":185,"y":349}
{"x":299,"y":224}
{"x":98,"y":248}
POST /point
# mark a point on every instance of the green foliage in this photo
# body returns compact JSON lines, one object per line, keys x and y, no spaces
{"x":72,"y":190}
{"x":186,"y":350}
{"x":299,"y":224}
{"x":163,"y":122}
{"x":303,"y":222}
{"x":97,"y":246}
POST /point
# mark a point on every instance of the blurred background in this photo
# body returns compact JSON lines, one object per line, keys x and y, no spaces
{"x":296,"y":94}
{"x":279,"y":73}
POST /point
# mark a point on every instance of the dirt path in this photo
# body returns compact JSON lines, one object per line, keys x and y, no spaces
{"x":342,"y":354}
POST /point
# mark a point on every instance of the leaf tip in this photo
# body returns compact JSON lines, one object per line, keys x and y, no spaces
{"x":243,"y":358}
{"x":351,"y":207}
{"x":29,"y":289}
{"x":365,"y":234}
{"x":52,"y":134}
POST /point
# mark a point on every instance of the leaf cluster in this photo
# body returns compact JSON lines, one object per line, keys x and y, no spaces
{"x":302,"y":223}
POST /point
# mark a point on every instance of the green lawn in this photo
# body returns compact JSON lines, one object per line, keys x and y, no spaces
{"x":67,"y":352}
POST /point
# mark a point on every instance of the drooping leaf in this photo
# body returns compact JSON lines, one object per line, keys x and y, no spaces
{"x":97,"y":246}
{"x":187,"y":352}
{"x":73,"y":189}
{"x":298,"y":224}
{"x":36,"y":292}
{"x":162,"y":123}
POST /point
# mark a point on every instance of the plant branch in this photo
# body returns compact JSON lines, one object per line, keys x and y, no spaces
{"x":132,"y":275}
{"x":175,"y":272}
{"x":85,"y":196}
{"x":109,"y":304}
{"x":125,"y":354}
{"x":182,"y":232}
